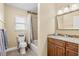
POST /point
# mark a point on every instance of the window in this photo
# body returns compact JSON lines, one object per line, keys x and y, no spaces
{"x":20,"y":23}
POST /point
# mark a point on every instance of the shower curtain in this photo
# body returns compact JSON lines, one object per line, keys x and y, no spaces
{"x":29,"y":29}
{"x":2,"y":44}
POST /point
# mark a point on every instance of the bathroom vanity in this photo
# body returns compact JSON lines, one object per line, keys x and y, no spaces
{"x":62,"y":46}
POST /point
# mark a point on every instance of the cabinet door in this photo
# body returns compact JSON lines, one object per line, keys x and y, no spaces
{"x":59,"y":51}
{"x":56,"y":47}
{"x":70,"y":52}
{"x":51,"y":50}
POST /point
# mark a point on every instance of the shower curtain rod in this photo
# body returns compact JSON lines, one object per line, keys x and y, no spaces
{"x":32,"y":12}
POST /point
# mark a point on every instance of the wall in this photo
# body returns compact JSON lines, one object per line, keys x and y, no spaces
{"x":46,"y":25}
{"x":1,"y":15}
{"x":10,"y":14}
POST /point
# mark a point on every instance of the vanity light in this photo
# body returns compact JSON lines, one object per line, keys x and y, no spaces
{"x":60,"y":12}
{"x":66,"y":9}
{"x":74,"y":7}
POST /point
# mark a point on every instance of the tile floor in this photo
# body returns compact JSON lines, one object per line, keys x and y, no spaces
{"x":29,"y":52}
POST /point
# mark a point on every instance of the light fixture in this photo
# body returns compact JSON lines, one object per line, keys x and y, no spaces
{"x":66,"y":9}
{"x":74,"y":7}
{"x":60,"y":12}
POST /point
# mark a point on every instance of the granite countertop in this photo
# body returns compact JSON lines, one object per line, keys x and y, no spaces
{"x":69,"y":39}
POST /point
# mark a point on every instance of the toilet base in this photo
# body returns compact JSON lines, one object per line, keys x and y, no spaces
{"x":22,"y":51}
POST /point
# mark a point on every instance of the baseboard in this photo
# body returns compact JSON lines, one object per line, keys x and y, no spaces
{"x":11,"y":49}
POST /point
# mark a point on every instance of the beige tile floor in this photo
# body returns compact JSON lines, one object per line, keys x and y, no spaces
{"x":29,"y":52}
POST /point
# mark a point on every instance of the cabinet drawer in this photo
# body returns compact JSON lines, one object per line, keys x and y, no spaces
{"x":60,"y":43}
{"x":72,"y":46}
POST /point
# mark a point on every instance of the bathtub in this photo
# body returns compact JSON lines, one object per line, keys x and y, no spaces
{"x":34,"y":46}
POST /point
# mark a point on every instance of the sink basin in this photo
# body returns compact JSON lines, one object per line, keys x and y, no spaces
{"x":66,"y":36}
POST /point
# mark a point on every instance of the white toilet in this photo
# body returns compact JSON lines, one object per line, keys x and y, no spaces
{"x":22,"y":44}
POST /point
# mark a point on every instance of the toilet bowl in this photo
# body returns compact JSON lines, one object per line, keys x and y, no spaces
{"x":22,"y":45}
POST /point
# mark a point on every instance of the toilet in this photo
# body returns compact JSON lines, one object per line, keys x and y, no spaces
{"x":21,"y":43}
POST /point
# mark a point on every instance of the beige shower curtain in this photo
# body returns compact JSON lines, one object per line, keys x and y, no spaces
{"x":28,"y":29}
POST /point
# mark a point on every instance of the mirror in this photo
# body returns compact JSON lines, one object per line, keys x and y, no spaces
{"x":68,"y":20}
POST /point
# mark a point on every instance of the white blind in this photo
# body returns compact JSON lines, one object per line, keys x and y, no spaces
{"x":20,"y":23}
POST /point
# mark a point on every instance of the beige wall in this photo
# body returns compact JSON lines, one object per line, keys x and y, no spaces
{"x":1,"y":15}
{"x":10,"y":14}
{"x":46,"y":25}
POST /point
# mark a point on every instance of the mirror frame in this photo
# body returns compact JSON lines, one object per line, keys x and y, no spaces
{"x":56,"y":20}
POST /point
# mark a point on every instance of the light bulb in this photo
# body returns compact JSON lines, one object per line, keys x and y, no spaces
{"x":66,"y":9}
{"x":59,"y":12}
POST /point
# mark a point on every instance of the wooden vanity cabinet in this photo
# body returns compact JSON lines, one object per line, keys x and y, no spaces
{"x":70,"y":52}
{"x":56,"y":48}
{"x":51,"y":47}
{"x":71,"y":49}
{"x":61,"y":48}
{"x":59,"y":51}
{"x":51,"y":50}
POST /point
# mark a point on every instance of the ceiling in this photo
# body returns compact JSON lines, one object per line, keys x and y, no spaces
{"x":25,"y":6}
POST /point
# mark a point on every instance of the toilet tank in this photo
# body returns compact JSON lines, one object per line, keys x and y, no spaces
{"x":21,"y":37}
